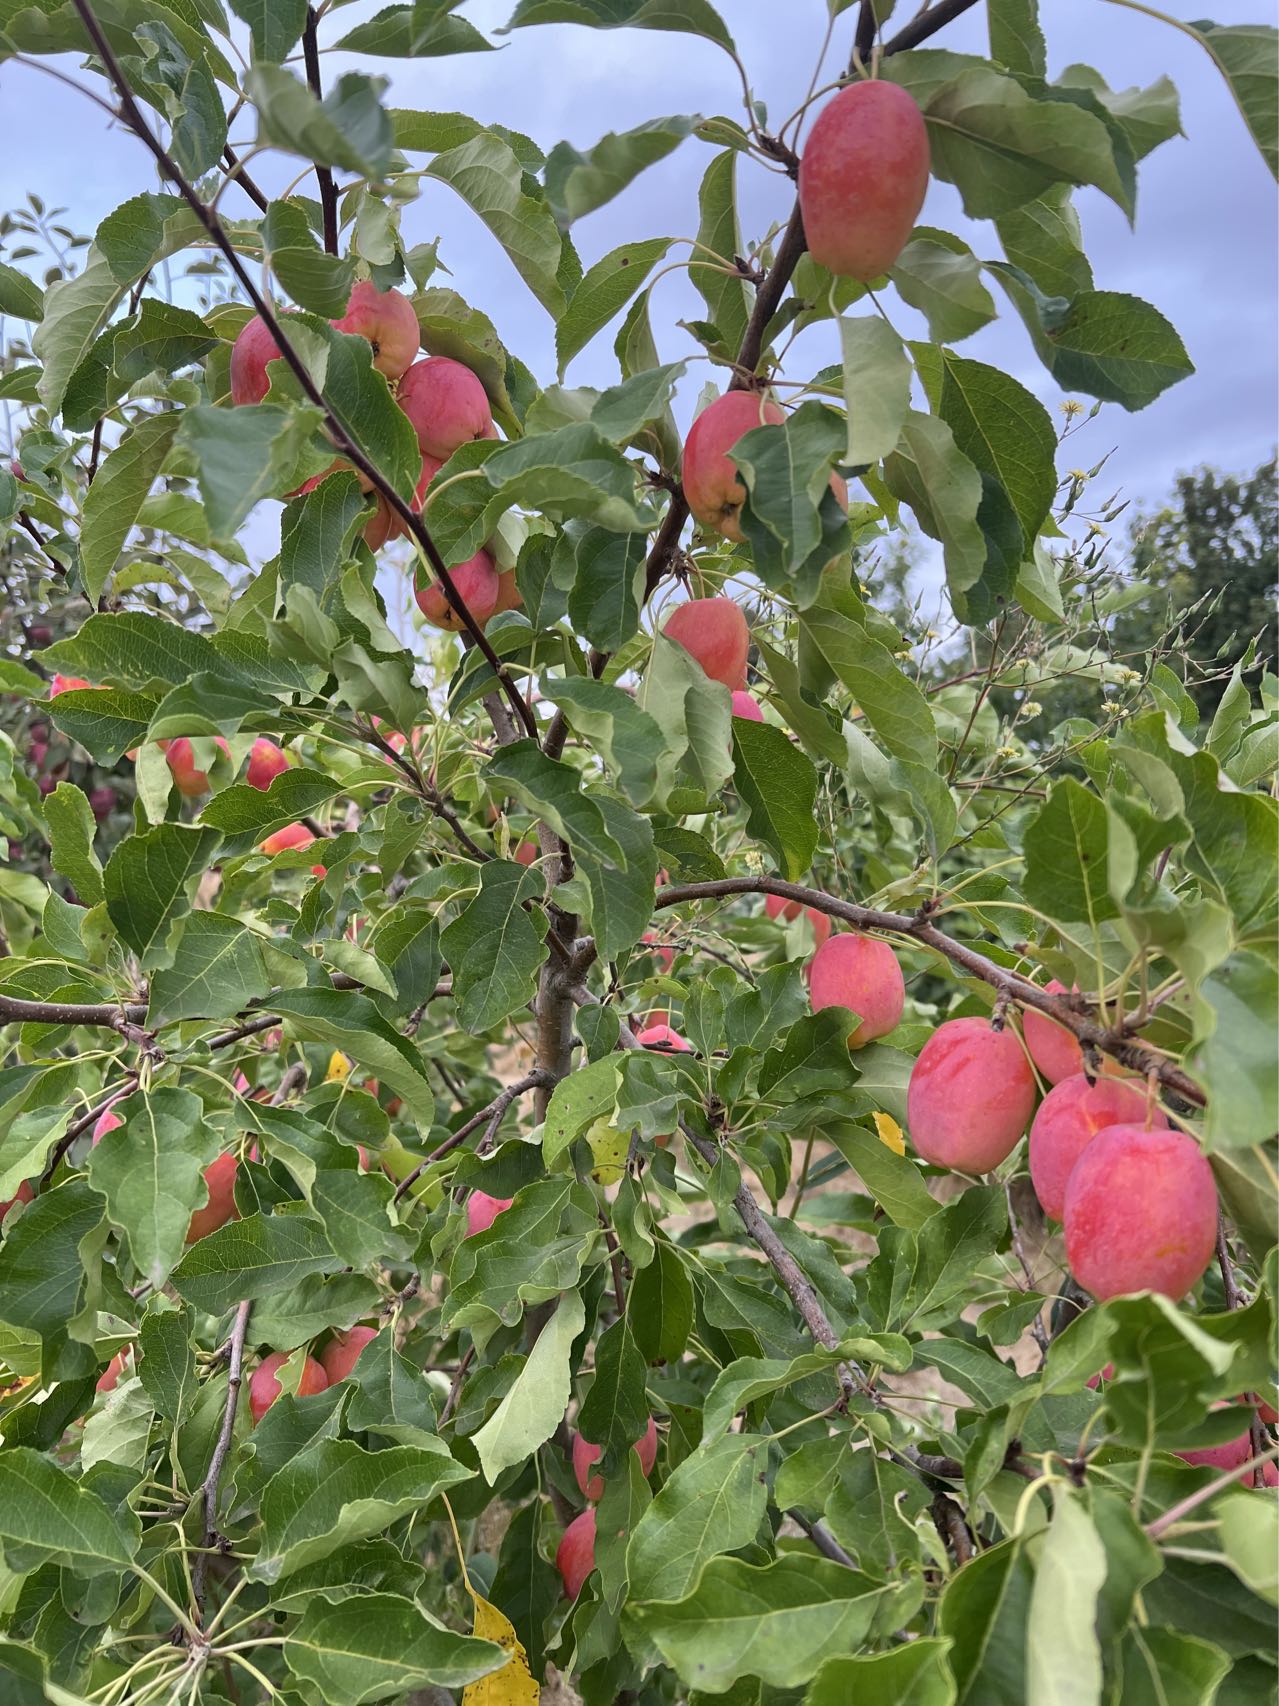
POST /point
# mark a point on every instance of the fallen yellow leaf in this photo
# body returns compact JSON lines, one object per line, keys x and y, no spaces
{"x":339,"y":1068}
{"x":890,"y":1133}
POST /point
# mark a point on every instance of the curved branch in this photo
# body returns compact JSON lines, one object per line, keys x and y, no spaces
{"x":919,"y":928}
{"x":342,"y":438}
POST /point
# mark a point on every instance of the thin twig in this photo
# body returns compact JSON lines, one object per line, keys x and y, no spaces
{"x":1192,"y":1501}
{"x":536,"y":1079}
{"x":323,"y":176}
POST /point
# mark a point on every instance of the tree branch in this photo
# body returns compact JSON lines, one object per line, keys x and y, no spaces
{"x":212,"y":1480}
{"x":926,"y":23}
{"x":919,"y":928}
{"x":236,"y":170}
{"x":492,"y":1113}
{"x":343,"y":438}
{"x":323,"y":176}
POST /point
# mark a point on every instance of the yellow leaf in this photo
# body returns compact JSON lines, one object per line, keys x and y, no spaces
{"x":890,"y":1133}
{"x":339,"y":1068}
{"x":514,"y":1684}
{"x":609,"y":1149}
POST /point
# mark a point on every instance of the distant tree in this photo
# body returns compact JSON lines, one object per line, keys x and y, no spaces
{"x":1213,"y":551}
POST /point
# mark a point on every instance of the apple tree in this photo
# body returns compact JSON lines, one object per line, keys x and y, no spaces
{"x":604,"y":1120}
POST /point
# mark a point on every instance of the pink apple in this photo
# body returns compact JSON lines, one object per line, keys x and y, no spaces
{"x":446,"y":404}
{"x":387,"y":320}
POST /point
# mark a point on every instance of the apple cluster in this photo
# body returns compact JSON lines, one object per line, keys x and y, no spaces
{"x":447,"y":407}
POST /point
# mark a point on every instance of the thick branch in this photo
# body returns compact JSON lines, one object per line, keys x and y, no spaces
{"x":338,"y":431}
{"x":926,"y":23}
{"x":114,"y":1015}
{"x":919,"y":928}
{"x":212,"y":1481}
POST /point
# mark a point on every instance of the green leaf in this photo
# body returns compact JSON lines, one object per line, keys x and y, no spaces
{"x":623,"y":411}
{"x":891,"y":702}
{"x":999,"y":145}
{"x":315,"y":280}
{"x":621,"y":905}
{"x":694,"y":714}
{"x":1066,"y":847}
{"x":1163,"y":1667}
{"x":661,"y":1306}
{"x":135,"y":648}
{"x":348,"y":128}
{"x":626,"y":737}
{"x":615,"y":1412}
{"x":1249,"y":1533}
{"x":1063,"y":1654}
{"x":275,"y":26}
{"x":1234,"y":1057}
{"x":608,"y":586}
{"x":71,"y":828}
{"x":714,"y":1502}
{"x":1103,"y":343}
{"x":112,"y":503}
{"x":45,"y":1514}
{"x":534,"y":1405}
{"x":495,"y":947}
{"x":578,"y":1100}
{"x":779,"y":1622}
{"x":941,"y":277}
{"x":241,"y":455}
{"x":150,"y":1170}
{"x":779,"y":786}
{"x":488,"y":176}
{"x":392,"y":1397}
{"x":167,"y":1364}
{"x":1016,"y":39}
{"x":793,"y":521}
{"x":577,"y":183}
{"x":1042,"y":238}
{"x":531,"y":1253}
{"x":914,"y":1675}
{"x":217,"y":970}
{"x":552,"y":791}
{"x":748,"y":1379}
{"x":146,"y":882}
{"x":689,"y":17}
{"x":336,"y":1493}
{"x":20,"y":296}
{"x":1245,"y":56}
{"x":251,"y":1258}
{"x":349,"y":1021}
{"x":930,"y":473}
{"x":983,"y":1611}
{"x":420,"y":30}
{"x":376,"y":1645}
{"x":725,"y":294}
{"x":1005,"y":432}
{"x":877,"y":380}
{"x":244,"y":811}
{"x":42,"y":1272}
{"x":896,"y":1184}
{"x":604,"y":291}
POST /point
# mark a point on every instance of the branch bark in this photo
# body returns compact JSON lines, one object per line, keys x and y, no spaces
{"x":918,"y":927}
{"x":342,"y":437}
{"x":323,"y":176}
{"x":212,"y":1480}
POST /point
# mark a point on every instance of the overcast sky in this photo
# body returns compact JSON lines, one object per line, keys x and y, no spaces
{"x":1203,"y":250}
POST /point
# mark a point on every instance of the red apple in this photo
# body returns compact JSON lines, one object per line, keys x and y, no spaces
{"x":265,"y":1388}
{"x":662,"y":1038}
{"x":430,"y":468}
{"x":387,"y":320}
{"x":508,"y":594}
{"x":219,"y":1178}
{"x":179,"y":754}
{"x":861,"y":973}
{"x":482,"y":1210}
{"x":65,"y":684}
{"x":476,"y":583}
{"x":107,"y":1121}
{"x":115,"y":1368}
{"x":250,"y":353}
{"x":714,"y":632}
{"x":713,"y":488}
{"x":863,"y":178}
{"x":1068,"y":1118}
{"x":283,"y":840}
{"x":266,"y":762}
{"x":1140,"y":1213}
{"x":446,"y":404}
{"x":342,"y":1352}
{"x":24,"y":1193}
{"x":970,"y":1096}
{"x":592,"y":1486}
{"x":575,"y":1555}
{"x":748,"y":706}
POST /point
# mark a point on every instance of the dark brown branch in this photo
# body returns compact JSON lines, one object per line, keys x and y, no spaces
{"x":236,"y":170}
{"x":867,"y":28}
{"x":822,"y":1539}
{"x":114,"y":1015}
{"x":338,"y":431}
{"x":952,"y":1527}
{"x":78,"y":1126}
{"x":212,"y":1481}
{"x":323,"y":176}
{"x":537,"y":1079}
{"x":926,"y":23}
{"x":918,"y":927}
